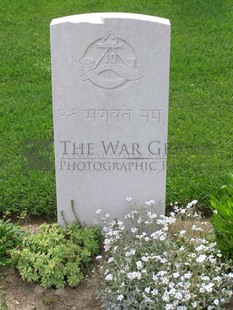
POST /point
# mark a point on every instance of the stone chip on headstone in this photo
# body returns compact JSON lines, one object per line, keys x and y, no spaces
{"x":110,"y":81}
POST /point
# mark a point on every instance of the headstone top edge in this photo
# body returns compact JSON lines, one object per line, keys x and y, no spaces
{"x":99,"y":18}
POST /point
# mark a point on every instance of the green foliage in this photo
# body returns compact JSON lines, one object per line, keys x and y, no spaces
{"x":10,"y":238}
{"x":57,"y":256}
{"x":3,"y":303}
{"x":222,"y":218}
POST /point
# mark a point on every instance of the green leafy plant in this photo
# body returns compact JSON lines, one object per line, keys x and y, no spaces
{"x":57,"y":256}
{"x":10,"y":238}
{"x":222,"y":218}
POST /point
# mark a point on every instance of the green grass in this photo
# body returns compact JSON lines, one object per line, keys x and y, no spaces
{"x":201,"y":96}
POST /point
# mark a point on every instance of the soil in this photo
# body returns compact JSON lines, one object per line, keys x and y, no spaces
{"x":27,"y":296}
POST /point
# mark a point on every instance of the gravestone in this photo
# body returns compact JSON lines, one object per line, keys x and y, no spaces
{"x":110,"y":81}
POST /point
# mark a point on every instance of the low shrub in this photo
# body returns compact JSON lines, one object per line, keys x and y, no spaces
{"x":10,"y":238}
{"x":222,"y":218}
{"x":176,"y":266}
{"x":57,"y":256}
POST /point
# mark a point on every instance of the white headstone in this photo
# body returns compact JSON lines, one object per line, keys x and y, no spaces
{"x":110,"y":80}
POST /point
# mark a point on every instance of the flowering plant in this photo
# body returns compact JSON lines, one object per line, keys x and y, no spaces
{"x":175,"y":266}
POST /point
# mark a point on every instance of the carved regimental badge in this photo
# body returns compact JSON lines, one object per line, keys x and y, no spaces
{"x":110,"y":63}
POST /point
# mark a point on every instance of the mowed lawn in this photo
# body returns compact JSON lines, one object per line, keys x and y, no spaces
{"x":201,"y":97}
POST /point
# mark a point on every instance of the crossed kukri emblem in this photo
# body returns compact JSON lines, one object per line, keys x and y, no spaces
{"x":110,"y":63}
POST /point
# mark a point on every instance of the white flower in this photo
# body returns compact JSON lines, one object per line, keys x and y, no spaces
{"x":154,"y":292}
{"x":163,"y":237}
{"x":165,"y":280}
{"x":166,"y":296}
{"x":172,"y":291}
{"x":147,"y":290}
{"x":129,"y":199}
{"x":218,"y":279}
{"x":196,"y":259}
{"x":156,"y":234}
{"x":215,"y":211}
{"x":132,"y":252}
{"x":191,"y":204}
{"x":162,"y":273}
{"x":134,"y":275}
{"x":171,"y":285}
{"x":120,"y":297}
{"x":182,"y":232}
{"x":145,"y":258}
{"x":188,"y":275}
{"x":208,"y":287}
{"x":109,"y":277}
{"x":98,"y":257}
{"x":139,"y":265}
{"x":194,"y":227}
{"x":201,"y":248}
{"x":134,"y":230}
{"x":178,"y":296}
{"x":98,"y":211}
{"x":155,"y":277}
{"x":176,"y":274}
{"x":201,"y":258}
